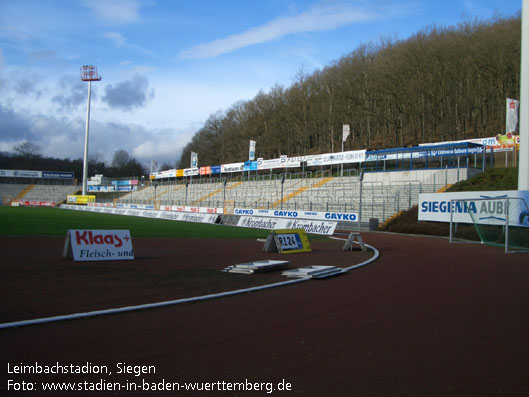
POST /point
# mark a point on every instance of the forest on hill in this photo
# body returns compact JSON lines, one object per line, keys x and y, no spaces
{"x":443,"y":83}
{"x":27,"y":156}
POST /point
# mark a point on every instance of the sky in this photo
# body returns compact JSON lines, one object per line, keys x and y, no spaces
{"x":166,"y":66}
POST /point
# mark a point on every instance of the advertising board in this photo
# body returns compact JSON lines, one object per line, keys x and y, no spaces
{"x":316,"y":215}
{"x":98,"y":245}
{"x":37,"y":174}
{"x":438,"y":207}
{"x":233,"y":167}
{"x":78,"y":199}
{"x":148,"y":211}
{"x":186,"y":208}
{"x":310,"y":226}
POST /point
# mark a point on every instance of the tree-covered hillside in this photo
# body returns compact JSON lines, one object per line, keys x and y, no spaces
{"x":440,"y":84}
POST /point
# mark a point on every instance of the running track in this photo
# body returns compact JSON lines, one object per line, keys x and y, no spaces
{"x":428,"y":318}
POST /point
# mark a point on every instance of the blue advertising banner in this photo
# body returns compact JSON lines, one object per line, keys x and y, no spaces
{"x":250,"y":166}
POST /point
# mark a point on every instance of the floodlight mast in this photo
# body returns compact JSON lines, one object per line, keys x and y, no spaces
{"x":88,"y":73}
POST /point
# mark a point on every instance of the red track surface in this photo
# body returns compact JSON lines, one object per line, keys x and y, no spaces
{"x":427,"y":318}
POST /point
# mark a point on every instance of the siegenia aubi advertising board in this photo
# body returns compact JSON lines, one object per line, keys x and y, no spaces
{"x":491,"y":207}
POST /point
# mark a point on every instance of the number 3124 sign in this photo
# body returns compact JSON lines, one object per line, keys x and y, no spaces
{"x":288,"y":241}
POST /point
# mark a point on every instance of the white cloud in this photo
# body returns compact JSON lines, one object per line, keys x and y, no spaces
{"x":166,"y":147}
{"x":117,"y":38}
{"x":116,"y":11}
{"x":15,"y":33}
{"x":325,"y":16}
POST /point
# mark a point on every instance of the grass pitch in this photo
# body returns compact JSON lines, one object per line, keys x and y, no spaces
{"x":40,"y":221}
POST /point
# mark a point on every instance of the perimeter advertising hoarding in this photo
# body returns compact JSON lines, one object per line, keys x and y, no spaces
{"x":100,"y":205}
{"x":151,"y":213}
{"x":164,"y":174}
{"x":188,"y":217}
{"x":205,"y":170}
{"x":36,"y":174}
{"x":436,"y":207}
{"x":417,"y":154}
{"x":316,"y":215}
{"x":33,"y":203}
{"x":263,"y":164}
{"x":281,"y":162}
{"x":21,"y":174}
{"x":174,"y":208}
{"x":233,"y":167}
{"x":250,"y":166}
{"x":114,"y":188}
{"x":135,"y":206}
{"x":191,"y":171}
{"x":126,"y":188}
{"x":310,"y":226}
{"x":57,"y":175}
{"x":104,"y":189}
{"x":196,"y":210}
{"x":499,"y":143}
{"x":353,"y":156}
{"x":129,"y":182}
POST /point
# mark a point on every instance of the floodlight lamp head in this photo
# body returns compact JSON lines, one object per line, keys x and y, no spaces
{"x":89,"y":73}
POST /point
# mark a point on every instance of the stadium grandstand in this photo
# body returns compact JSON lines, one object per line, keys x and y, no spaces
{"x":376,"y":185}
{"x":36,"y":187}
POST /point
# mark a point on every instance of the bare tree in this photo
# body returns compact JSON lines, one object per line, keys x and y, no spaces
{"x":27,"y":149}
{"x":120,"y":159}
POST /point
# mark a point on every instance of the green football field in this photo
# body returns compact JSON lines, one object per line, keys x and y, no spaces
{"x":41,"y":221}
